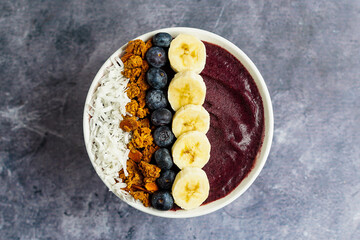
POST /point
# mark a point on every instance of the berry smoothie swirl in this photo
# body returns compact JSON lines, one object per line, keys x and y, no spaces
{"x":236,"y":120}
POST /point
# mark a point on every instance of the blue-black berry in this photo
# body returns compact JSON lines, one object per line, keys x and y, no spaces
{"x":163,"y":158}
{"x":162,"y":39}
{"x":163,"y":136}
{"x":155,"y":99}
{"x":166,"y":179}
{"x":161,"y":116}
{"x":156,"y":56}
{"x":162,"y":200}
{"x":156,"y":78}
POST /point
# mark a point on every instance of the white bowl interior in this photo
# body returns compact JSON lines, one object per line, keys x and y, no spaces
{"x":268,"y":116}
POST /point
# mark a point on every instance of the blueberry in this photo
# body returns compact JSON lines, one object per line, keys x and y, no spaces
{"x":156,"y":56}
{"x":155,"y":99}
{"x":163,"y":136}
{"x":166,"y":179}
{"x":156,"y":78}
{"x":162,"y":39}
{"x":162,"y":200}
{"x":163,"y":158}
{"x":161,"y":116}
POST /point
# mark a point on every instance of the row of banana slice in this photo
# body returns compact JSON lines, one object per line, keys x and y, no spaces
{"x":186,"y":94}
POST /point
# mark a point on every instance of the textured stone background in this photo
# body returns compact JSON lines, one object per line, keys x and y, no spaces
{"x":308,"y":53}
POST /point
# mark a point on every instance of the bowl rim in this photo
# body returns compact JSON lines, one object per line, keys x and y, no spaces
{"x":268,"y":121}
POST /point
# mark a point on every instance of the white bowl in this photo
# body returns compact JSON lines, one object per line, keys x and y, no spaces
{"x":268,"y":116}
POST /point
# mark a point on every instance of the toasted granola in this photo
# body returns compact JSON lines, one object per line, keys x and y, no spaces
{"x":141,"y":174}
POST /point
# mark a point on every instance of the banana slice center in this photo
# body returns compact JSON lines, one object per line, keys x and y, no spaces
{"x":186,"y":49}
{"x":185,"y":95}
{"x":190,"y":124}
{"x":191,"y":190}
{"x":188,"y":56}
{"x":189,"y":153}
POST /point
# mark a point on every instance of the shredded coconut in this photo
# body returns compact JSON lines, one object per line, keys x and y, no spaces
{"x":108,"y":142}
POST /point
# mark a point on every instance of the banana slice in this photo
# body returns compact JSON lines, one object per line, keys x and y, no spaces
{"x":186,"y":88}
{"x":190,"y":118}
{"x":191,"y":188}
{"x":187,"y":53}
{"x":191,"y":149}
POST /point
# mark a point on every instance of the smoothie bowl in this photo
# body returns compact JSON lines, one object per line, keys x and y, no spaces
{"x":178,"y":122}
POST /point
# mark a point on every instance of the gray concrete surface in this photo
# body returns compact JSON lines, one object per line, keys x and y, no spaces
{"x":308,"y":53}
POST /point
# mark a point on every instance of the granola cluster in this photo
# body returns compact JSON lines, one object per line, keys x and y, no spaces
{"x":141,"y":174}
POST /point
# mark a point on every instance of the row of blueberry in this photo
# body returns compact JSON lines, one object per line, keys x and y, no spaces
{"x":161,"y":117}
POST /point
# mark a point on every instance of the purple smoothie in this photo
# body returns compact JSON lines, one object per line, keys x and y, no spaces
{"x":236,"y":121}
